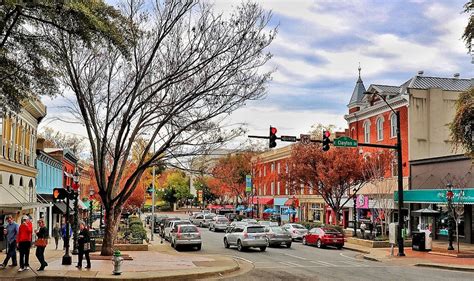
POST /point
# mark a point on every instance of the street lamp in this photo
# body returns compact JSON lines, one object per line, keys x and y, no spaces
{"x":75,"y":187}
{"x":91,"y":197}
{"x":449,"y":197}
{"x":401,"y":251}
{"x":67,"y":259}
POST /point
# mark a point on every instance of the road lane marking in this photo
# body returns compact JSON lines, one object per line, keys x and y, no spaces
{"x":354,"y":263}
{"x":323,"y":263}
{"x":294,"y":264}
{"x":244,"y":259}
{"x":296,"y":257}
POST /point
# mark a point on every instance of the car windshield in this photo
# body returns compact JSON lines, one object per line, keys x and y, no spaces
{"x":298,"y":226}
{"x":330,"y":231}
{"x":221,"y":220}
{"x":188,"y":229}
{"x":278,"y":230}
{"x":255,"y":229}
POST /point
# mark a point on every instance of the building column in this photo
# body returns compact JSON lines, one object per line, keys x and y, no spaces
{"x":50,"y":219}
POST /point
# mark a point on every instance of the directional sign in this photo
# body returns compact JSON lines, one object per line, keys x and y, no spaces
{"x":288,"y":138}
{"x":248,"y":183}
{"x":305,"y":139}
{"x":345,"y":142}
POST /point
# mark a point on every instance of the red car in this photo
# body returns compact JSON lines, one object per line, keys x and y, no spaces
{"x":324,"y":236}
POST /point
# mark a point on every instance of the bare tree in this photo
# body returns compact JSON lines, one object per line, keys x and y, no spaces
{"x":189,"y":68}
{"x":57,"y":139}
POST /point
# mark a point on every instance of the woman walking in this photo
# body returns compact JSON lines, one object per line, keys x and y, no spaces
{"x":56,"y":234}
{"x":41,"y":243}
{"x":83,"y":245}
{"x":25,"y":234}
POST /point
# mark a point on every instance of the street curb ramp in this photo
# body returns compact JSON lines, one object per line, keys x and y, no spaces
{"x":447,"y":267}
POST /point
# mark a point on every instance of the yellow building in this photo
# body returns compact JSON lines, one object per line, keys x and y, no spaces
{"x":18,"y":134}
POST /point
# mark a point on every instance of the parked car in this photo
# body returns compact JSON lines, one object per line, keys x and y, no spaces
{"x":163,"y":223}
{"x":231,"y":216}
{"x":186,"y":235}
{"x":324,"y":236}
{"x":268,"y":223}
{"x":296,"y":230}
{"x":157,"y":224}
{"x":278,"y":236}
{"x":202,"y":220}
{"x":171,"y":225}
{"x":252,"y":221}
{"x":218,"y":223}
{"x":245,"y":237}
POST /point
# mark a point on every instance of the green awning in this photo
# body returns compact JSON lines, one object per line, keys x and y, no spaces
{"x":436,"y":196}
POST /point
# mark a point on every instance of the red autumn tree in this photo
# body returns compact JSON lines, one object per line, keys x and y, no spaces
{"x":230,"y":172}
{"x":336,"y":174}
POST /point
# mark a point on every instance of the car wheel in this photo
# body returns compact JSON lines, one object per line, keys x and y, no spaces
{"x":268,"y":242}
{"x":226,"y":244}
{"x":288,"y":245}
{"x":198,"y":247}
{"x":200,"y":224}
{"x":239,"y":246}
{"x":263,"y":249}
{"x":339,"y":247}
{"x":319,"y":243}
{"x":304,"y":241}
{"x":173,"y":245}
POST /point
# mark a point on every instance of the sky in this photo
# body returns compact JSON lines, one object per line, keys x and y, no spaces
{"x":317,"y":52}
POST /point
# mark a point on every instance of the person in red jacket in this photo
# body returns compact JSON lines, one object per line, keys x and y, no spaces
{"x":25,"y":234}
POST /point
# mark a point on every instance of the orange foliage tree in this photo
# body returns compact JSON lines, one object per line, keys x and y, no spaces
{"x":337,"y":175}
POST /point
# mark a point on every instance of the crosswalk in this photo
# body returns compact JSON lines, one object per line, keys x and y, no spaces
{"x":309,"y":263}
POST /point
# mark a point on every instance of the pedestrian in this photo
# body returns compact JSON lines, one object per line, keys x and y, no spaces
{"x":279,"y":220}
{"x":25,"y":235}
{"x":56,"y":234}
{"x":83,"y":245}
{"x":63,"y":235}
{"x":11,"y":233}
{"x":41,"y":243}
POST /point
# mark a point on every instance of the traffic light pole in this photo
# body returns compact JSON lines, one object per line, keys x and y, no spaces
{"x":67,"y":259}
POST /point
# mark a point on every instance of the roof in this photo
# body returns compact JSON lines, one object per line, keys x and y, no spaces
{"x":386,"y":88}
{"x":358,"y":92}
{"x":446,"y":84}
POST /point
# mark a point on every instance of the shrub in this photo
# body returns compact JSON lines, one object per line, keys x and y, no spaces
{"x":310,"y":225}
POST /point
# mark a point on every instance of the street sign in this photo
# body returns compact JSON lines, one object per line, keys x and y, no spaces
{"x":345,"y":142}
{"x":288,"y":138}
{"x":305,"y":139}
{"x":248,"y":183}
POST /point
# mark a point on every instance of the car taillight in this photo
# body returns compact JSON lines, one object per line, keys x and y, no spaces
{"x":246,"y":235}
{"x":178,"y":234}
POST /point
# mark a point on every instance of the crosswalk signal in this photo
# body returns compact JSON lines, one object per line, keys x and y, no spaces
{"x":273,"y":137}
{"x":326,"y":140}
{"x":60,"y":194}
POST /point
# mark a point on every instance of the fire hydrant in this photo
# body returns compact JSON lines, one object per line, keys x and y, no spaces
{"x":117,"y":260}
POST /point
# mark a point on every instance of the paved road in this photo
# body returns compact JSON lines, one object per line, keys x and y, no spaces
{"x":302,"y":262}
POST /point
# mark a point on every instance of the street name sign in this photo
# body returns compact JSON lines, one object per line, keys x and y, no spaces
{"x":345,"y":142}
{"x":288,"y":138}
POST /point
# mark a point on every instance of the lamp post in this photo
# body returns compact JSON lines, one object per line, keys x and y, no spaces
{"x":91,"y":197}
{"x":67,"y":259}
{"x":401,"y":251}
{"x":449,"y":197}
{"x":76,"y":211}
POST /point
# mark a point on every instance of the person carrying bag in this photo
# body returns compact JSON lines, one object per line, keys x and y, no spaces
{"x":41,"y":243}
{"x":84,"y":245}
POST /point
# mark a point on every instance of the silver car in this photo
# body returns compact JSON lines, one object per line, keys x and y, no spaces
{"x":245,"y":237}
{"x":186,"y":235}
{"x":278,"y":236}
{"x":171,"y":225}
{"x":218,"y":223}
{"x":296,"y":230}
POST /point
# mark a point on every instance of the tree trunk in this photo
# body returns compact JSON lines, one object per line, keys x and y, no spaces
{"x":112,"y":216}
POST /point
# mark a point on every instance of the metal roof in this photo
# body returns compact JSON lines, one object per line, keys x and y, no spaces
{"x":358,"y":92}
{"x":447,"y":84}
{"x":387,"y":88}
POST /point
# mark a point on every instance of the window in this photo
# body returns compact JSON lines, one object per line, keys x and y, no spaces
{"x":264,"y":171}
{"x":393,"y":125}
{"x":302,"y":188}
{"x":11,"y":182}
{"x":353,"y":133}
{"x":278,"y":167}
{"x":394,"y":169}
{"x":379,"y":128}
{"x":287,"y":168}
{"x":272,"y":167}
{"x":260,"y":173}
{"x":272,"y":186}
{"x":278,"y":188}
{"x":367,"y":132}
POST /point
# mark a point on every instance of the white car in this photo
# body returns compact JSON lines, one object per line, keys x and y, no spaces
{"x":218,"y":223}
{"x":171,"y":225}
{"x":296,"y":230}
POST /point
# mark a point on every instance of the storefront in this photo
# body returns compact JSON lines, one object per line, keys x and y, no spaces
{"x":262,"y":203}
{"x":311,"y":208}
{"x":280,"y":208}
{"x":436,"y":202}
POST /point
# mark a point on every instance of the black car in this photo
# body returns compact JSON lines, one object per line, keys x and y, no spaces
{"x":158,"y":221}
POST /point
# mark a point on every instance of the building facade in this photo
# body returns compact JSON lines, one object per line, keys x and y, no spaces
{"x":18,"y":133}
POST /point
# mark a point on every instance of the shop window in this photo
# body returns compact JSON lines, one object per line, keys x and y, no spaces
{"x":443,"y":223}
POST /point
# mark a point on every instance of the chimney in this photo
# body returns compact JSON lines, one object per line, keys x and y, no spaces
{"x":420,"y":72}
{"x":40,"y":144}
{"x":456,"y":75}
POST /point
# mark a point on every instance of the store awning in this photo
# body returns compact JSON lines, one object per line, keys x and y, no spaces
{"x":263,"y":200}
{"x":436,"y":196}
{"x":292,"y":202}
{"x":81,"y":205}
{"x":228,"y":206}
{"x":22,"y":206}
{"x":61,"y":205}
{"x":214,"y":207}
{"x":280,"y":201}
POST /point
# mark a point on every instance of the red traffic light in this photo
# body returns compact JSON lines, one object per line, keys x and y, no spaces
{"x":327,"y":134}
{"x":56,"y":194}
{"x":273,"y":130}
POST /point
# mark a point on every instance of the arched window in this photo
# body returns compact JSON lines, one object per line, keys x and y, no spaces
{"x":21,"y":181}
{"x":367,"y":131}
{"x":11,"y":181}
{"x":380,"y":128}
{"x":393,"y":125}
{"x":353,"y":133}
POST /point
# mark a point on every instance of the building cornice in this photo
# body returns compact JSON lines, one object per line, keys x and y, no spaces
{"x":272,"y":155}
{"x":16,"y":168}
{"x":379,"y":108}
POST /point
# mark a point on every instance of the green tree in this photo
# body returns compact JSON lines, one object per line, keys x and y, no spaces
{"x":24,"y":70}
{"x":180,"y":183}
{"x":461,"y":127}
{"x":468,"y":35}
{"x":201,"y":183}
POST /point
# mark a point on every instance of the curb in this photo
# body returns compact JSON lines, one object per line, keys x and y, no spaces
{"x":365,"y":257}
{"x":356,"y":250}
{"x":447,"y":267}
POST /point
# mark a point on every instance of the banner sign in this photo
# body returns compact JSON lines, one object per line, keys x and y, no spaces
{"x":248,"y":183}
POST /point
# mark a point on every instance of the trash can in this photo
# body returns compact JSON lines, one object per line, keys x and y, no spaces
{"x":92,"y":241}
{"x":428,"y":240}
{"x":418,"y":241}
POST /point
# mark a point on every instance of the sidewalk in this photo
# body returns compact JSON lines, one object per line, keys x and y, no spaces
{"x":437,"y":258}
{"x":161,"y":262}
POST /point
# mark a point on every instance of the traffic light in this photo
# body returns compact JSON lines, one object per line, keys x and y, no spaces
{"x":326,"y":140}
{"x":273,"y":137}
{"x":61,"y":194}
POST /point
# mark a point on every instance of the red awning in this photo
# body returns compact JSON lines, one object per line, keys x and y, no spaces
{"x":214,"y":207}
{"x":263,"y":200}
{"x":291,"y":202}
{"x":228,"y":206}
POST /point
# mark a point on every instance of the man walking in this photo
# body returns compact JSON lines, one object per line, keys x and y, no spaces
{"x":11,"y":233}
{"x":25,"y":235}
